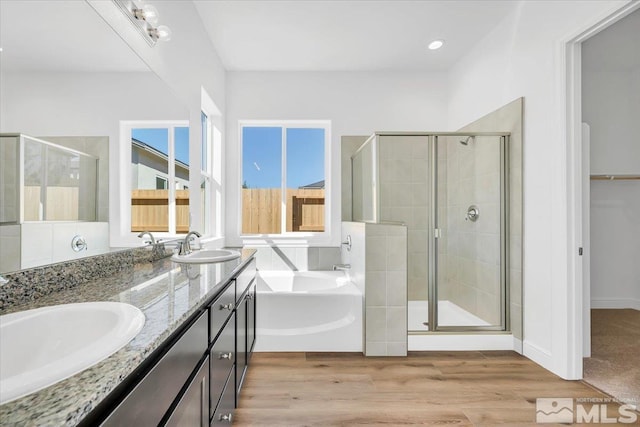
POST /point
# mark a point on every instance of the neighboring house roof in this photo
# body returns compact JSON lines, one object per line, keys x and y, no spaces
{"x":316,"y":185}
{"x":154,"y":151}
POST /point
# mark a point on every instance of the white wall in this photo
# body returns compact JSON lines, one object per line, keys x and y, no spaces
{"x":356,"y":103}
{"x":87,"y":104}
{"x":524,"y":56}
{"x":611,"y":108}
{"x":615,"y":244}
{"x":188,"y":63}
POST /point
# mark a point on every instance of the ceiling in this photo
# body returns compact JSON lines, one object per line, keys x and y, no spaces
{"x":61,"y":35}
{"x":616,"y":48}
{"x":347,"y":35}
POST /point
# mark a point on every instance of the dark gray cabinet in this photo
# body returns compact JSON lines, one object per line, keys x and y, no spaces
{"x":222,"y":362}
{"x":251,"y":320}
{"x":149,"y":400}
{"x":198,"y":377}
{"x":193,"y":408}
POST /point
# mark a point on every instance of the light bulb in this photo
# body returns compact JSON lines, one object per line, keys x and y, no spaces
{"x":147,"y":13}
{"x":436,"y":44}
{"x":163,"y":33}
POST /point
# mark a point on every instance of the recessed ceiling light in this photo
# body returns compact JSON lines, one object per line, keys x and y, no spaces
{"x":436,"y":44}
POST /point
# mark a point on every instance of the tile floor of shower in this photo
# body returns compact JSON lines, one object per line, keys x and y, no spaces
{"x":449,"y":314}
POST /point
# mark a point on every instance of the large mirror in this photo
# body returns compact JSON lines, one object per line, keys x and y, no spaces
{"x":68,"y":80}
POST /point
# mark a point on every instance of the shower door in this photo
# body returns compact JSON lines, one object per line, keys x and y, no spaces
{"x":468,"y":282}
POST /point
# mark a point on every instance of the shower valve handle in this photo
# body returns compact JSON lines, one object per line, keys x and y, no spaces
{"x":472,"y":214}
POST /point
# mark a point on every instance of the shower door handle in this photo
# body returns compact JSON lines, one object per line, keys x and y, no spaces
{"x":472,"y":214}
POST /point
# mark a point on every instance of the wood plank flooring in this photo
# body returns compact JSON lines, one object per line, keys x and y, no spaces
{"x":425,"y":388}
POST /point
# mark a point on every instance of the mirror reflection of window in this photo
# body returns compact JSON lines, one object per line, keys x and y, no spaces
{"x":159,"y":156}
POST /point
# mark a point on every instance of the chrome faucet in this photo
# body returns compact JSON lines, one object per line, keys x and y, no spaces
{"x":151,"y":240}
{"x":341,"y":267}
{"x":185,"y":246}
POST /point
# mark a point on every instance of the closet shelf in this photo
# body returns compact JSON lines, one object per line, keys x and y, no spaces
{"x":614,"y":177}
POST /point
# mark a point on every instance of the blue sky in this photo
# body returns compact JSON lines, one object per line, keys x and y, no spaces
{"x":262,"y":156}
{"x":159,"y":139}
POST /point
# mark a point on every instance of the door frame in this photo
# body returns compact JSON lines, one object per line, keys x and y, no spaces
{"x":577,"y":176}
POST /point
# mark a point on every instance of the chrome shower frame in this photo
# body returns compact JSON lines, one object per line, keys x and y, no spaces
{"x":434,"y":231}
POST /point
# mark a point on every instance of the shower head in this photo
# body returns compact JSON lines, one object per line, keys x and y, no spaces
{"x":466,"y":141}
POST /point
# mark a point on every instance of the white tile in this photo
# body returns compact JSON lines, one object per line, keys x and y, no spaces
{"x":37,"y":244}
{"x":302,"y":259}
{"x":63,"y":234}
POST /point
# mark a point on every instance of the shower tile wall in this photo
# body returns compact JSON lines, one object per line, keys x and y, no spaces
{"x":509,"y":119}
{"x":469,"y":252}
{"x":404,"y":175}
{"x":385,"y":290}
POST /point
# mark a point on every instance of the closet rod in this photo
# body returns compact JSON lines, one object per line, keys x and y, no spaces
{"x":614,"y":177}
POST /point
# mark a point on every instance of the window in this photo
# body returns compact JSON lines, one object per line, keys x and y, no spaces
{"x":205,"y":174}
{"x":283,"y":178}
{"x":159,"y":177}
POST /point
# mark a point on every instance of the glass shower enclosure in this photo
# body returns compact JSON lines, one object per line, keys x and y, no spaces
{"x":449,"y":190}
{"x":42,"y":181}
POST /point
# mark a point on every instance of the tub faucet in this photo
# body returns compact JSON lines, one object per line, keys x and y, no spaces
{"x":185,"y":246}
{"x":151,"y":240}
{"x":341,"y":267}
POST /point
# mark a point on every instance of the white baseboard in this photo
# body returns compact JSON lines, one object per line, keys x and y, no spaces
{"x":460,"y":342}
{"x":540,"y":356}
{"x":517,"y":345}
{"x":615,"y":303}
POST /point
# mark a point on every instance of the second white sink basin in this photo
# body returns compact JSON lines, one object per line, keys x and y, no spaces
{"x":206,"y":255}
{"x":43,"y":346}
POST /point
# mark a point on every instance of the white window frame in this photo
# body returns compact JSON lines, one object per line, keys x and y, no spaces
{"x":215,"y":165}
{"x":206,"y":174}
{"x":293,"y":238}
{"x":128,"y":237}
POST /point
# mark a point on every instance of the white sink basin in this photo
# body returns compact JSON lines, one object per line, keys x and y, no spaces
{"x":43,"y":346}
{"x":206,"y":256}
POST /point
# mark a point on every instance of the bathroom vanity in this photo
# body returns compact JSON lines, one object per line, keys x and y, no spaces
{"x":185,"y":367}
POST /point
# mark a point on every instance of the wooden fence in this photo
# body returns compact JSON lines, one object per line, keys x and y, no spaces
{"x":262,"y":210}
{"x":150,"y":210}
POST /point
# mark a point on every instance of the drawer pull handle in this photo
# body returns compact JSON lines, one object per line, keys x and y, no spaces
{"x":226,"y":306}
{"x":226,"y":417}
{"x":225,"y":355}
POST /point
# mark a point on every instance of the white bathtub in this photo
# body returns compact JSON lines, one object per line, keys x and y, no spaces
{"x":308,"y":311}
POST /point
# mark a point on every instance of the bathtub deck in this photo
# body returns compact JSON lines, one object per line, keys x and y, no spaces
{"x":426,"y":388}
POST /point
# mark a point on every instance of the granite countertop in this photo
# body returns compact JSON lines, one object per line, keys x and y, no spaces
{"x":167,"y":293}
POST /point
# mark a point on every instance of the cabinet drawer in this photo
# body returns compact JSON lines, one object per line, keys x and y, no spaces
{"x":245,"y":277}
{"x":220,"y":311}
{"x":224,"y":413}
{"x":221,"y":359}
{"x":149,"y":400}
{"x":193,"y":407}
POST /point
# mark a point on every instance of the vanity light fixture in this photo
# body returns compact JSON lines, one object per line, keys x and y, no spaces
{"x":436,"y":44}
{"x":144,"y":18}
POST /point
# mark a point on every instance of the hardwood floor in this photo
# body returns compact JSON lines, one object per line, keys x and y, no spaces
{"x":425,"y":388}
